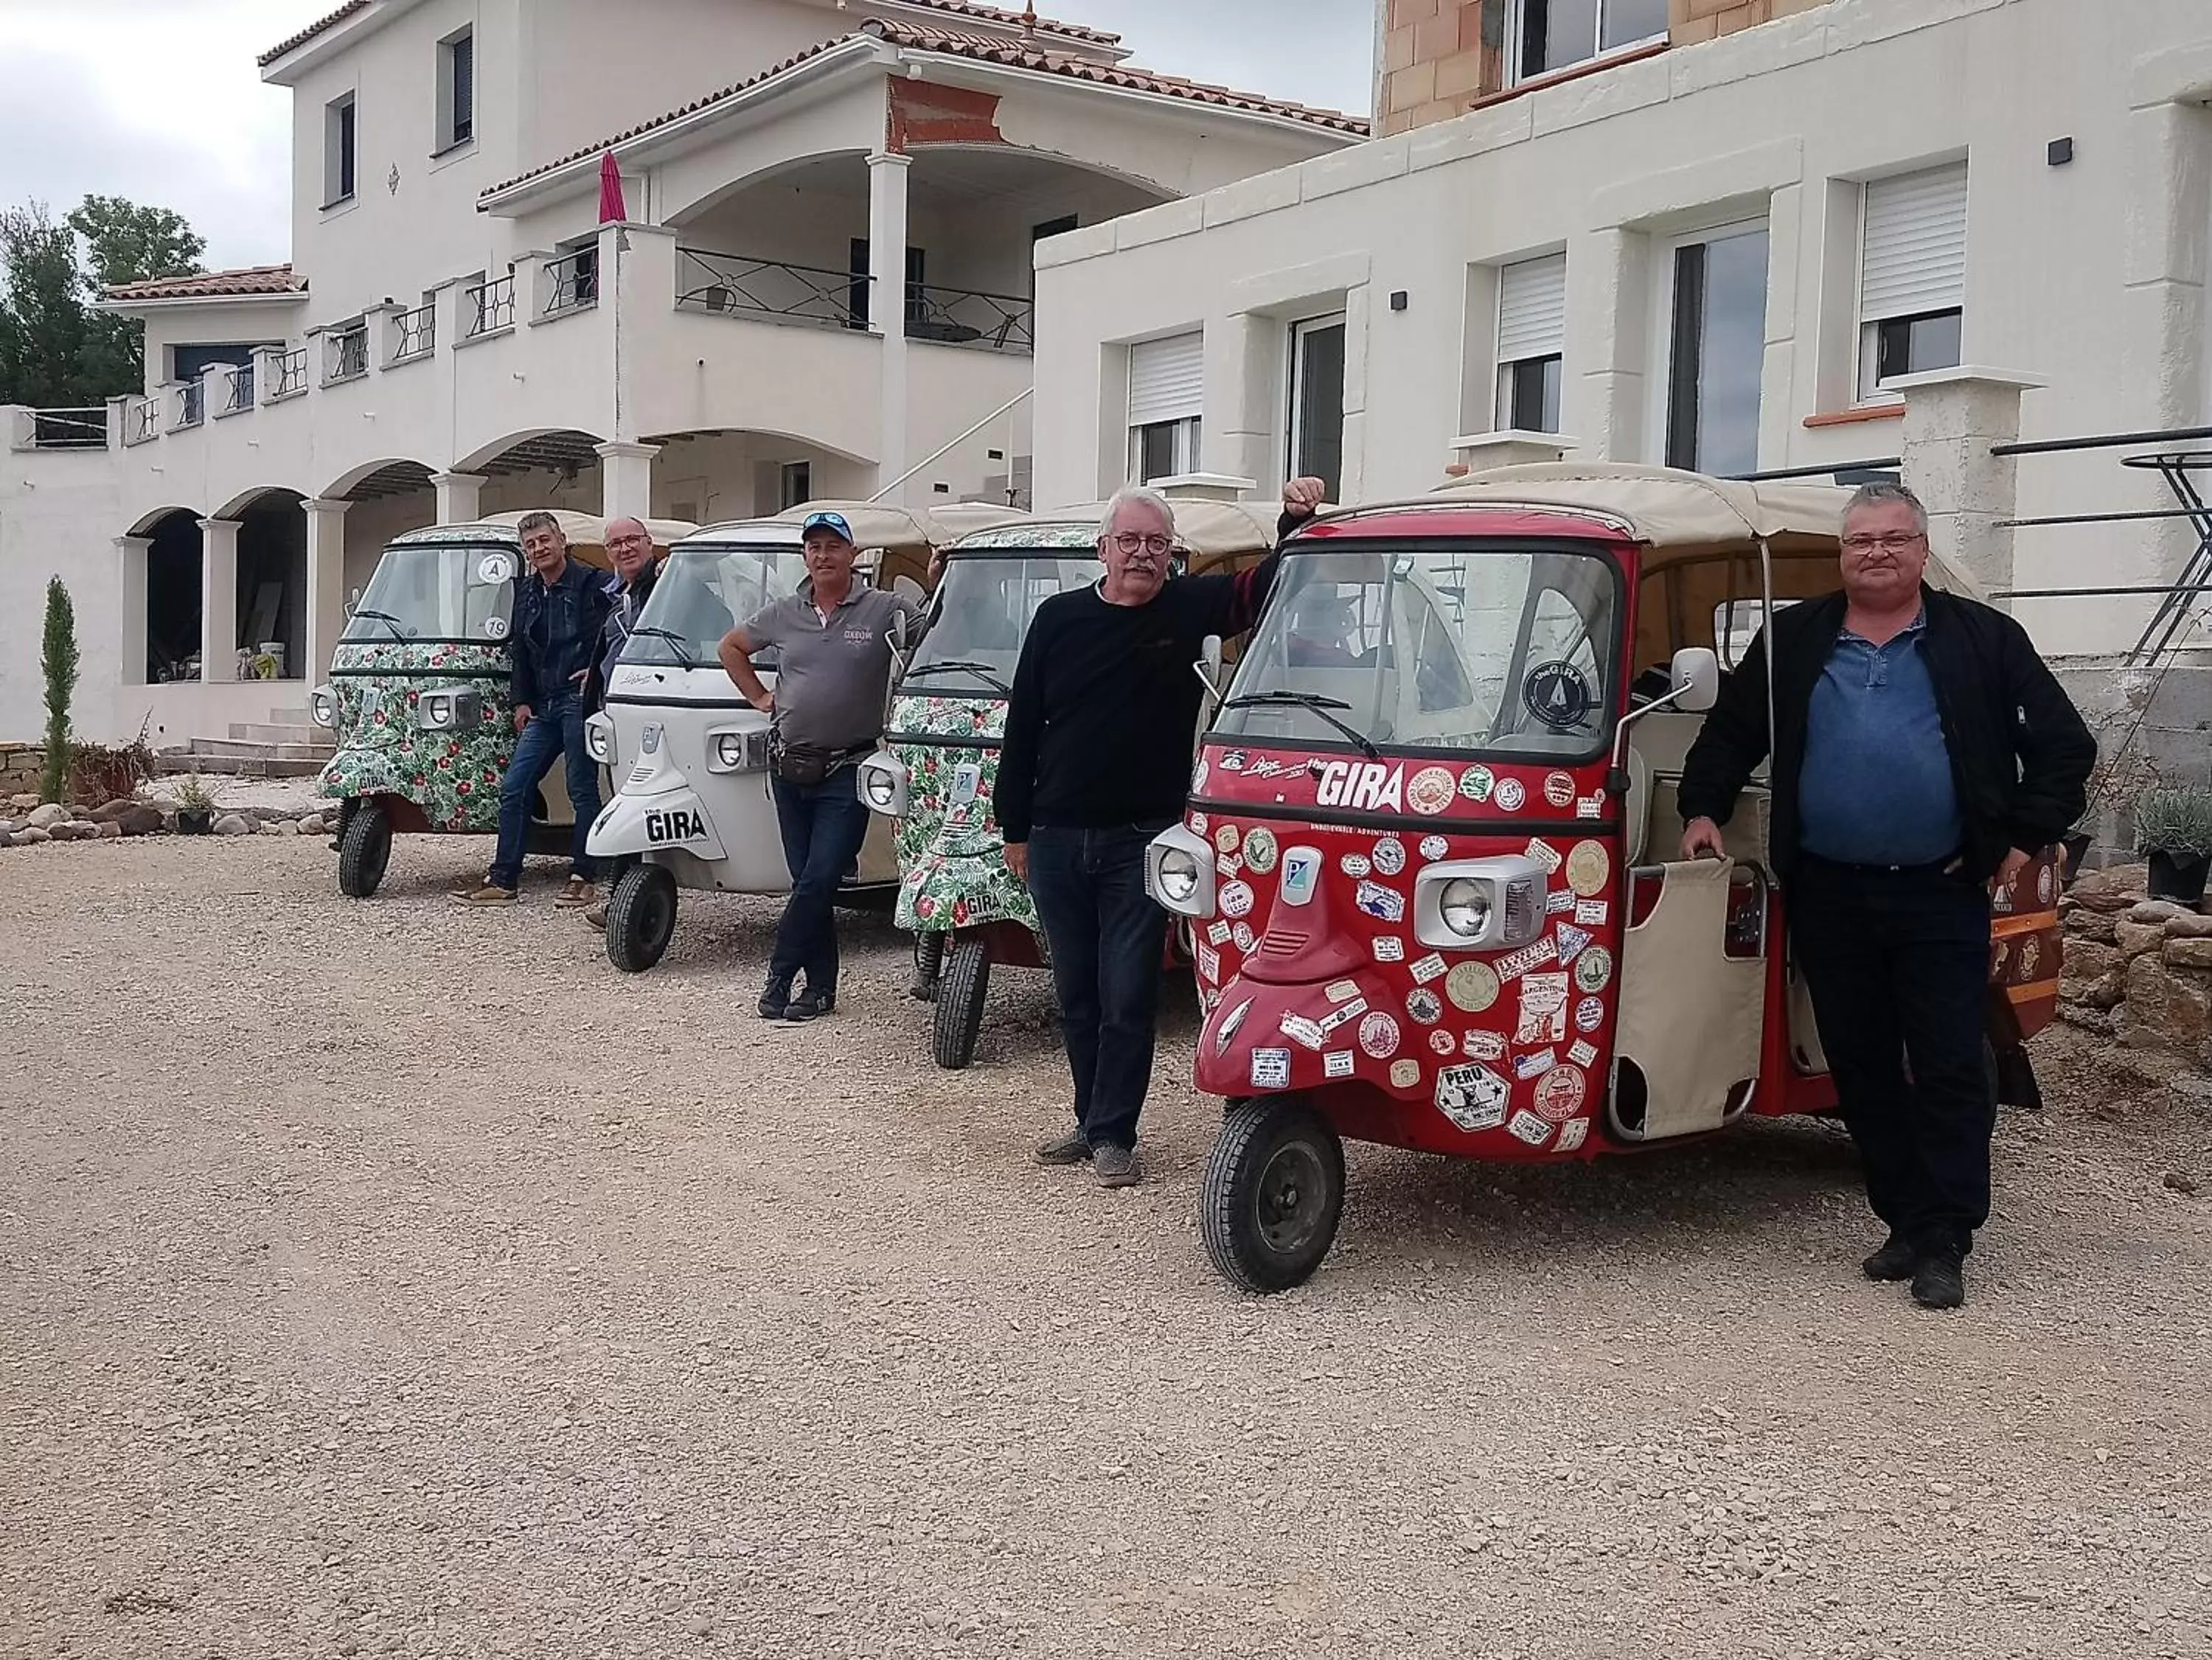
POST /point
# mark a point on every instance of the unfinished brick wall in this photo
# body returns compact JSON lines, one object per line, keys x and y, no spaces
{"x":1689,"y":21}
{"x":1439,"y":57}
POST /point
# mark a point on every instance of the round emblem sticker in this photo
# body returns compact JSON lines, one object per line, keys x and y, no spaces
{"x":1197,"y":778}
{"x":1509,"y":795}
{"x":1443,"y":1041}
{"x":2045,"y":884}
{"x":1434,"y":847}
{"x":1198,"y":823}
{"x":1236,"y":899}
{"x":1404,"y":1074}
{"x":495,"y":627}
{"x":1588,"y":869}
{"x":494,"y":567}
{"x":1558,"y":694}
{"x":1559,"y":788}
{"x":1355,"y":865}
{"x":1378,"y":1035}
{"x":1559,"y":1093}
{"x":1429,"y":791}
{"x":1389,"y":855}
{"x":1593,"y":969}
{"x":1475,"y":782}
{"x":1226,"y":839}
{"x":1243,"y":936}
{"x":1589,"y":1014}
{"x":1259,"y":850}
{"x":1425,"y":1006}
{"x":1472,"y":986}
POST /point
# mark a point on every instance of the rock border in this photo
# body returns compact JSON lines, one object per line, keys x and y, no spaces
{"x":29,"y":824}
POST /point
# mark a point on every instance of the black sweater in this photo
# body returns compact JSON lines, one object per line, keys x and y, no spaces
{"x":1105,"y":706}
{"x":2019,"y":753}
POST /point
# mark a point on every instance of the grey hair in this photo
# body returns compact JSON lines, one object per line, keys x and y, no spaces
{"x":540,"y":520}
{"x":1136,"y":495}
{"x":1880,"y":493}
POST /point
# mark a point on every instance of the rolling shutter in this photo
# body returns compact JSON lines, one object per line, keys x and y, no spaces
{"x":1167,"y":379}
{"x":1916,"y":244}
{"x":1532,"y":310}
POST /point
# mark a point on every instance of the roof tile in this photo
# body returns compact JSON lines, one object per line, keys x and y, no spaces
{"x":274,"y":280}
{"x":311,"y":32}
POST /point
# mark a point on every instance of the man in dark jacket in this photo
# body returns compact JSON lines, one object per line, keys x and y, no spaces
{"x":1920,"y":749}
{"x":559,"y":610}
{"x":637,"y":567}
{"x":1095,"y":763}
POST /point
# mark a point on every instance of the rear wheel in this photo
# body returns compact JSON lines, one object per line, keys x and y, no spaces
{"x":1272,"y":1194}
{"x":960,"y":1004}
{"x":640,"y":917}
{"x":364,"y":851}
{"x":928,"y":964}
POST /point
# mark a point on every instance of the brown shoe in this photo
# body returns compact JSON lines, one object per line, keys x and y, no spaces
{"x":597,"y":917}
{"x":486,"y":895}
{"x":1116,"y":1166}
{"x":576,"y":892}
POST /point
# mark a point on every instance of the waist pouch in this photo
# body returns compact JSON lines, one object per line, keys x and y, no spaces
{"x":807,"y":764}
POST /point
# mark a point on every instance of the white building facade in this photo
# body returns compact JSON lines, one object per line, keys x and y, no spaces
{"x":820,"y":283}
{"x":1738,"y":237}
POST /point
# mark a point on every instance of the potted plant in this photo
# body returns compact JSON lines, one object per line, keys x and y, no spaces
{"x":194,"y":807}
{"x":2174,"y":827}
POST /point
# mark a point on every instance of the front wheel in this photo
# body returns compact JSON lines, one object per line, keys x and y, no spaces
{"x":364,"y":851}
{"x":1272,"y":1194}
{"x":640,"y":917}
{"x":928,"y":964}
{"x":960,"y":1004}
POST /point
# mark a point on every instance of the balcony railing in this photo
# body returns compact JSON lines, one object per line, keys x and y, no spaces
{"x":190,"y":406}
{"x":291,"y":371}
{"x":237,"y":391}
{"x":966,"y":317}
{"x":489,"y":306}
{"x":733,"y":285}
{"x":414,"y":334}
{"x":572,"y":283}
{"x":62,"y":429}
{"x":142,"y":421}
{"x":345,"y":353}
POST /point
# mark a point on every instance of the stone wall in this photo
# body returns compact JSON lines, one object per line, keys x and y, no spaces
{"x":19,"y":766}
{"x":2137,"y":969}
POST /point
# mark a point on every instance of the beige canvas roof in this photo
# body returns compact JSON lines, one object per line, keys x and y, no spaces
{"x":590,"y":531}
{"x":1207,"y":529}
{"x":880,"y":525}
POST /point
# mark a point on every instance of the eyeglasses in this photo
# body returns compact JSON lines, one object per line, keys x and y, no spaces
{"x":625,"y":541}
{"x":1894,"y":542}
{"x":1129,"y":541}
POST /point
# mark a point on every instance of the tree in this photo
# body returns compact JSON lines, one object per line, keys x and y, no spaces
{"x":57,"y":656}
{"x":126,"y":242}
{"x":55,"y":350}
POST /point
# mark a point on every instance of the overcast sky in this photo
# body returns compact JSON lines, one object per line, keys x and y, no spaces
{"x":159,"y":100}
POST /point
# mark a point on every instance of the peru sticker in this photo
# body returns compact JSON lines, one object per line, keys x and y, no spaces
{"x":1528,"y":1127}
{"x":1559,"y":789}
{"x":1341,"y":990}
{"x":1560,"y":1094}
{"x":1588,"y":869}
{"x":1528,"y":957}
{"x":1543,"y":1009}
{"x":1582,"y":1053}
{"x":1593,"y":970}
{"x":1591,"y":913}
{"x":1355,"y":864}
{"x":1236,"y":899}
{"x":1224,"y":838}
{"x":1217,"y":933}
{"x":1510,"y":796}
{"x":1271,"y":1069}
{"x":1475,"y":783}
{"x":1481,"y":1046}
{"x":1378,"y":1035}
{"x":1260,"y":850}
{"x":1300,"y":1030}
{"x":1434,"y":847}
{"x":1337,"y":1063}
{"x":1383,"y":904}
{"x":1209,"y":965}
{"x":1472,"y":1097}
{"x":1404,"y":1074}
{"x":1589,"y":1014}
{"x":1429,"y":791}
{"x":1472,"y":986}
{"x":1389,"y":855}
{"x":1429,"y":968}
{"x":1388,"y":948}
{"x":1425,"y":1006}
{"x":1244,"y":937}
{"x":1535,"y":1066}
{"x":1443,"y":1042}
{"x":1544,"y":853}
{"x":1572,"y":1134}
{"x":1571,"y":942}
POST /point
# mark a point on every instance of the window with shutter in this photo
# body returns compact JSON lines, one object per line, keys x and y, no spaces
{"x":1912,"y":275}
{"x":1532,"y":331}
{"x":1167,"y":397}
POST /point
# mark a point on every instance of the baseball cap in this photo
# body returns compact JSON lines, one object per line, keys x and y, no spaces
{"x":826,"y":522}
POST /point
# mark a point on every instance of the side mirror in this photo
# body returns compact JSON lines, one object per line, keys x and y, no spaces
{"x":1695,"y":675}
{"x":1208,"y":667}
{"x":908,"y":589}
{"x":899,"y":629}
{"x":353,"y":603}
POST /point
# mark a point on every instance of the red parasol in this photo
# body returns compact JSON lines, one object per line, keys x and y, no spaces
{"x":612,"y":211}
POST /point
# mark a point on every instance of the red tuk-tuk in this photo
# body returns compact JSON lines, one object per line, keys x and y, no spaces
{"x":1429,"y":859}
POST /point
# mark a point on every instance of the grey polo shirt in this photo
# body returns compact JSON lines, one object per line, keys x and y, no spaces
{"x":831,"y":678}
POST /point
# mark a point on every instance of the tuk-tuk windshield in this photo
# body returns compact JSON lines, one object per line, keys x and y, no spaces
{"x":427,"y":592}
{"x":1504,"y":651}
{"x":704,"y":592}
{"x":984,"y":605}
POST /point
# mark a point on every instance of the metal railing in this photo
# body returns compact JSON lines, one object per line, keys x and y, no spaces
{"x":729,"y":284}
{"x":237,"y":391}
{"x":1883,"y":470}
{"x":63,"y":429}
{"x":142,"y":421}
{"x":414,"y":334}
{"x":192,"y":406}
{"x":346,"y":354}
{"x":968,"y":317}
{"x":291,"y":369}
{"x":572,"y":283}
{"x":489,"y":306}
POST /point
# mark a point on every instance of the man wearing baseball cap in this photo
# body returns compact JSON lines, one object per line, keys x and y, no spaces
{"x":832,"y":664}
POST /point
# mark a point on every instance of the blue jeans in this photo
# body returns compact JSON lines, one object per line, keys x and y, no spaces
{"x":1106,"y":937}
{"x":823,"y":825}
{"x":555,"y":732}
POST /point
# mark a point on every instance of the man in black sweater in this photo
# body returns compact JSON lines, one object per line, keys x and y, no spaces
{"x":1095,"y":763}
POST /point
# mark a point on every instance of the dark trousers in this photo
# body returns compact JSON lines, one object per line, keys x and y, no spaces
{"x":1897,"y":962}
{"x":1106,"y":937}
{"x":823,"y":825}
{"x":555,"y":732}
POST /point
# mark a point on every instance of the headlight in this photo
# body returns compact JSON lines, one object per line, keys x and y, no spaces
{"x":729,"y":750}
{"x":1465,"y":907}
{"x":323,"y":706}
{"x":1179,"y":872}
{"x":883,"y":782}
{"x":737,"y":749}
{"x":1178,"y":875}
{"x":880,"y":788}
{"x":599,"y":740}
{"x":437,"y":710}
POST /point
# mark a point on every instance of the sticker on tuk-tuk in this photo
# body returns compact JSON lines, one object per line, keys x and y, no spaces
{"x":1558,"y":694}
{"x":1559,"y":789}
{"x":1224,"y":838}
{"x":1572,"y":1134}
{"x":2031,"y":953}
{"x":1529,"y":956}
{"x":1528,"y":1127}
{"x":1404,"y":1074}
{"x":1472,"y":986}
{"x":495,"y":627}
{"x":1509,"y":795}
{"x":1233,"y":761}
{"x":1589,"y":1014}
{"x":1271,"y":1069}
{"x":1259,"y":850}
{"x":1390,"y":950}
{"x":1594,"y":971}
{"x":1198,"y":824}
{"x":1475,"y":782}
{"x":494,"y":567}
{"x":1559,"y":903}
{"x":1378,"y":1035}
{"x":1338,"y":1064}
{"x":1197,"y":776}
{"x":1425,"y":1006}
{"x":1383,"y":904}
{"x":1356,"y":864}
{"x":1429,"y":791}
{"x":1228,"y":869}
{"x":1544,"y":853}
{"x":1591,"y":913}
{"x":1340,"y":990}
{"x":1582,"y":1052}
{"x":1244,"y":937}
{"x":1560,"y":1094}
{"x":1389,"y":855}
{"x":1209,"y":965}
{"x":1236,"y":899}
{"x":1590,"y":807}
{"x":1535,"y":1066}
{"x":1217,"y":933}
{"x":2046,"y":885}
{"x":1571,"y":942}
{"x":1344,"y":1016}
{"x":1443,"y":1042}
{"x":1300,"y":1030}
{"x":1543,"y":1008}
{"x":1429,"y":967}
{"x":1588,"y":866}
{"x":1483,"y":1045}
{"x":1434,"y":847}
{"x":1472,"y":1097}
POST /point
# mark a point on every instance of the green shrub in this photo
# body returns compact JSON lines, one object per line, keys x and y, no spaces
{"x":57,"y":656}
{"x":2175,"y":822}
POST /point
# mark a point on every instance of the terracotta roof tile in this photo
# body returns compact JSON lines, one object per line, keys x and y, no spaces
{"x":274,"y":279}
{"x":311,"y":32}
{"x":1000,"y":14}
{"x":984,"y":49}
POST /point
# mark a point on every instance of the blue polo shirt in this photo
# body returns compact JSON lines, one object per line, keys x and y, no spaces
{"x":1877,"y":787}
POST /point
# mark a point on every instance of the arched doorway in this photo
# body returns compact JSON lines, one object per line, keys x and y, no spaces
{"x":272,"y":580}
{"x":172,"y":594}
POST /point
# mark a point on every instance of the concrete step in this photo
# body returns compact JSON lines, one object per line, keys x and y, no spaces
{"x":300,"y":717}
{"x":255,"y":749}
{"x":304,"y":734}
{"x":175,"y":763}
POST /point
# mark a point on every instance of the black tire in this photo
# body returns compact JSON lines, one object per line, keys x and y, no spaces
{"x":1272,"y":1194}
{"x":960,"y":1004}
{"x":364,"y":851}
{"x":640,"y":917}
{"x":928,"y":967}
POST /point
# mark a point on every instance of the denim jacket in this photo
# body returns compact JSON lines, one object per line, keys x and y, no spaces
{"x":557,"y":633}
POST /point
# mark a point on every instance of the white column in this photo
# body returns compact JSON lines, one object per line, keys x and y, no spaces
{"x":130,"y":553}
{"x":626,"y":479}
{"x":326,"y":582}
{"x":1510,"y":446}
{"x":459,"y":497}
{"x":887,"y":234}
{"x":1952,"y":417}
{"x":218,"y":599}
{"x":1608,"y":341}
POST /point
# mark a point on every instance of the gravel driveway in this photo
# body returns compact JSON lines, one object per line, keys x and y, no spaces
{"x":381,"y":1278}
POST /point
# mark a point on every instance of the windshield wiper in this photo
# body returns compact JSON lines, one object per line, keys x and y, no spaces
{"x":983,"y":671}
{"x":384,"y":617}
{"x":682,"y":645}
{"x":1313,"y":700}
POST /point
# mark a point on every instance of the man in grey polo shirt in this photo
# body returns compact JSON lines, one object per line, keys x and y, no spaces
{"x":833,"y":668}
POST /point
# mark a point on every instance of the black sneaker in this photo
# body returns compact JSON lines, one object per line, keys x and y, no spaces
{"x":810,"y":1005}
{"x":1895,"y":1261}
{"x":1941,"y":1279}
{"x":774,"y":999}
{"x":1116,"y":1166}
{"x":1070,"y":1149}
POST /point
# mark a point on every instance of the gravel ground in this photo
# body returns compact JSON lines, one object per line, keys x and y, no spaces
{"x":386,"y":1279}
